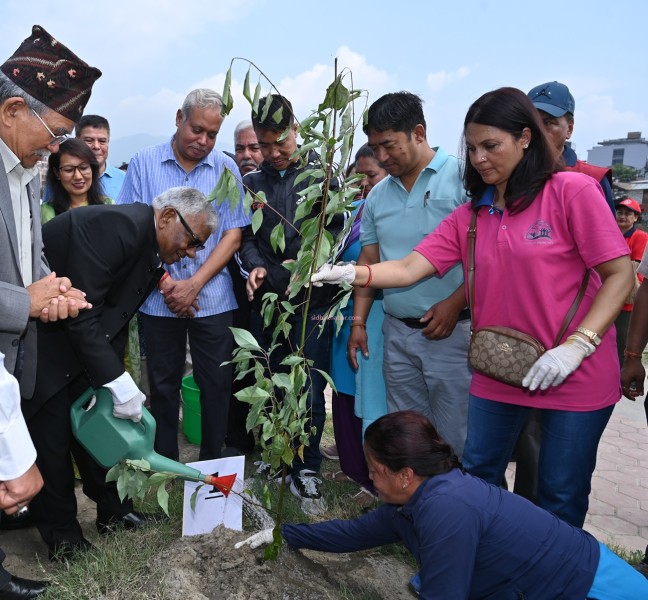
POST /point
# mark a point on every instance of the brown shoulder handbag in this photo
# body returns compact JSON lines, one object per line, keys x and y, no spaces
{"x":503,"y":353}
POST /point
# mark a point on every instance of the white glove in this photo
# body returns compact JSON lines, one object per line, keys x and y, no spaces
{"x":553,"y":367}
{"x":127,"y":398}
{"x":258,"y":539}
{"x":333,"y":274}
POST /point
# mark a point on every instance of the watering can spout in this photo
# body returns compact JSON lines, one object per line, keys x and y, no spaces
{"x":110,"y":440}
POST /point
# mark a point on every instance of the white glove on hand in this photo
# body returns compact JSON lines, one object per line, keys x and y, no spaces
{"x":127,"y":398}
{"x":334,"y":274}
{"x":258,"y":539}
{"x":130,"y":410}
{"x":553,"y":367}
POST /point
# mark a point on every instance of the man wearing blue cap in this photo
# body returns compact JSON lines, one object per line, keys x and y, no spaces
{"x":556,"y":107}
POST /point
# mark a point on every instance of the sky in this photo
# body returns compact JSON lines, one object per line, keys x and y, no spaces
{"x":152,"y":53}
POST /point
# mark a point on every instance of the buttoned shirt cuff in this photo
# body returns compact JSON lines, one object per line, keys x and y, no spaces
{"x":123,"y":388}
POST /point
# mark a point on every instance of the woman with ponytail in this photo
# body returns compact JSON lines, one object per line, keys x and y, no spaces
{"x":470,"y":539}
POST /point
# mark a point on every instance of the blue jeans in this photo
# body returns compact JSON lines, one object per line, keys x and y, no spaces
{"x":317,"y":349}
{"x":567,"y":452}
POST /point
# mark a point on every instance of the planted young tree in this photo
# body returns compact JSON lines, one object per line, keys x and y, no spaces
{"x":278,"y":398}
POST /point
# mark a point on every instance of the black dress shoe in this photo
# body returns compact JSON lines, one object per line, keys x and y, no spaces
{"x":22,"y":589}
{"x":63,"y":551}
{"x":20,"y":519}
{"x":132,"y":520}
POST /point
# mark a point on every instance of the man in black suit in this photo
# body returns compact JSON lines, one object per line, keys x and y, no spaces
{"x":118,"y":253}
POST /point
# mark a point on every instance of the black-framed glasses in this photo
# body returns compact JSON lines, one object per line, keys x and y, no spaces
{"x":56,"y":139}
{"x":83,"y":168}
{"x":195,"y":240}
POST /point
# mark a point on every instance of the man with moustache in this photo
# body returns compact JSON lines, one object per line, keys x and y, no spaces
{"x":247,"y":152}
{"x":43,"y":90}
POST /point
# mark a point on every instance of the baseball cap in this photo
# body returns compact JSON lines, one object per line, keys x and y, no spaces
{"x":553,"y":98}
{"x":631,"y":204}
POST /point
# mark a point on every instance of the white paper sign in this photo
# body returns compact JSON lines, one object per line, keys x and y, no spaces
{"x":213,"y":508}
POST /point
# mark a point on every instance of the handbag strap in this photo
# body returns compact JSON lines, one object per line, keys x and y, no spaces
{"x":472,"y":237}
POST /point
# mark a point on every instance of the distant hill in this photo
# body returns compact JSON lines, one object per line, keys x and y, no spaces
{"x":122,"y":149}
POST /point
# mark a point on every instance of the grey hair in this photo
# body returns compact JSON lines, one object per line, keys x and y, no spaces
{"x":8,"y":89}
{"x":200,"y":98}
{"x":241,"y":127}
{"x":188,"y":202}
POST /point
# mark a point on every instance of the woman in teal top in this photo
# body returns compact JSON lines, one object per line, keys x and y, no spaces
{"x":360,"y":398}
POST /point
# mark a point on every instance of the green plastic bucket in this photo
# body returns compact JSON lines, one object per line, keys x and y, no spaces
{"x":191,"y":410}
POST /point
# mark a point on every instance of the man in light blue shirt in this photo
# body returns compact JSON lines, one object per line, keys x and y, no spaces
{"x":196,"y":298}
{"x":426,"y":326}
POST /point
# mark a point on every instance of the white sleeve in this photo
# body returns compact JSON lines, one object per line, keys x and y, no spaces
{"x":643,"y":265}
{"x":17,"y":452}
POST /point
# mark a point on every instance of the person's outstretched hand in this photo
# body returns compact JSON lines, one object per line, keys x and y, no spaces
{"x":261,"y":538}
{"x":553,"y":367}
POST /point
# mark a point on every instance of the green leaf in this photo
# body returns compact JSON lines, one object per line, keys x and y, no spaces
{"x":221,"y":189}
{"x":194,"y":497}
{"x":255,"y":100}
{"x":287,"y":306}
{"x":266,"y":108}
{"x":337,"y":96}
{"x":228,"y":103}
{"x":257,"y":219}
{"x":278,"y":115}
{"x":244,"y":339}
{"x":246,"y":87}
{"x":282,"y":380}
{"x":252,"y":394}
{"x":278,"y":237}
{"x":113,"y":474}
{"x":292,"y":359}
{"x":247,"y":201}
{"x":158,"y":479}
{"x":163,"y":499}
{"x":327,"y":377}
{"x":324,"y":249}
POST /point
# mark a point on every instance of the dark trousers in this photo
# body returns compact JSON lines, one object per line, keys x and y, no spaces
{"x":527,"y":457}
{"x":348,"y":439}
{"x":317,"y":348}
{"x":210,"y":341}
{"x":5,"y":576}
{"x":237,"y":434}
{"x":55,"y":506}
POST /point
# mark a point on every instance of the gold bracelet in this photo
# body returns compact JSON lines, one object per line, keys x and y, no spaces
{"x":631,"y":354}
{"x":593,"y":337}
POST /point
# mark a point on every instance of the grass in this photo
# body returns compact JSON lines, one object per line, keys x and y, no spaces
{"x":120,"y":566}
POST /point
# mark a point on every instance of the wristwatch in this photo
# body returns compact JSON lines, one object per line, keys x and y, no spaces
{"x":592,"y":336}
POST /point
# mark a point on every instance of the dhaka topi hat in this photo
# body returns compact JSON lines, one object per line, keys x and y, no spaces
{"x":51,"y":73}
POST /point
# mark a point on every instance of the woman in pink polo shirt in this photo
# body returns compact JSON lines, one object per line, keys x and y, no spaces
{"x":538,"y":230}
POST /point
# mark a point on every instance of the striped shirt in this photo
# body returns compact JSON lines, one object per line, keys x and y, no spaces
{"x":153,"y":171}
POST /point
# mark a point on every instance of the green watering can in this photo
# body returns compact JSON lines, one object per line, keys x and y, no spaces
{"x":110,"y":440}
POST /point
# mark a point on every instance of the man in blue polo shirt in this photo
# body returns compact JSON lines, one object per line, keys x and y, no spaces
{"x":427,"y":326}
{"x":196,"y":298}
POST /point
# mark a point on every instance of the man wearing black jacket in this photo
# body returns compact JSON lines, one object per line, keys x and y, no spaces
{"x":275,"y":177}
{"x":118,"y":252}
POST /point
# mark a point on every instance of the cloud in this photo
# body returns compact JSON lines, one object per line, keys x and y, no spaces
{"x":442,"y":79}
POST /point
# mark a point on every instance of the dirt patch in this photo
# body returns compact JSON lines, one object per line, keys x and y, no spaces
{"x":208,"y":567}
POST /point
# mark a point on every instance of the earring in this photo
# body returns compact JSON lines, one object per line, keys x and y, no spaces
{"x":525,"y":146}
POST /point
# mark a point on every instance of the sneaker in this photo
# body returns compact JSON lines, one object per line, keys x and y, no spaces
{"x":306,"y":487}
{"x":330,"y":452}
{"x":415,"y":584}
{"x":264,"y":470}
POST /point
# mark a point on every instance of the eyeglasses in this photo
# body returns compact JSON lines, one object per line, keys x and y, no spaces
{"x":56,"y":139}
{"x":195,"y":240}
{"x":69,"y":170}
